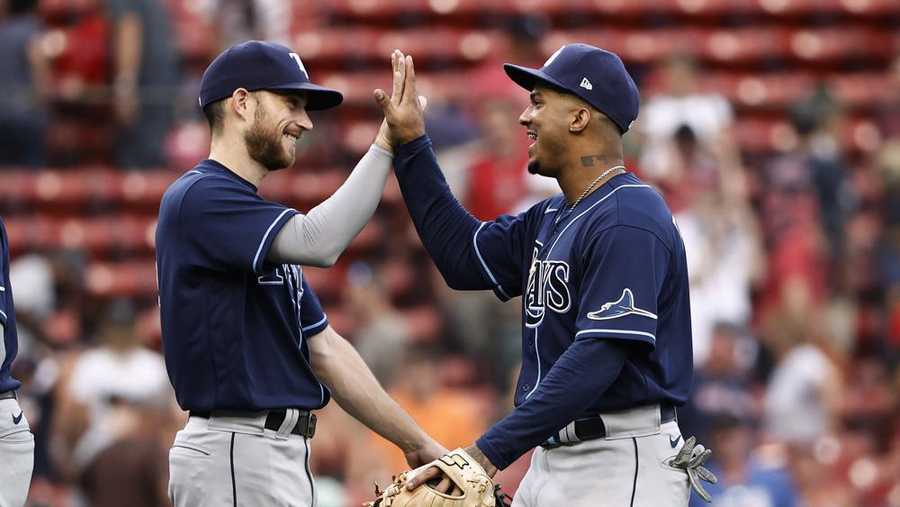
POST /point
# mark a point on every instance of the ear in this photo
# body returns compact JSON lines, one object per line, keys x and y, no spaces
{"x":580,"y":119}
{"x":243,"y":104}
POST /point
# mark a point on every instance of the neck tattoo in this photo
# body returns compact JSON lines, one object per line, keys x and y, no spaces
{"x":593,"y":184}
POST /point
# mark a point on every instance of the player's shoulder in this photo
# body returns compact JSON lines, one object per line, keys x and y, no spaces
{"x":633,"y":203}
{"x":547,"y":206}
{"x":206,"y":180}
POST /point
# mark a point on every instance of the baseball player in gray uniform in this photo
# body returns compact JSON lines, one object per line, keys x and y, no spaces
{"x":247,"y":346}
{"x":16,"y":441}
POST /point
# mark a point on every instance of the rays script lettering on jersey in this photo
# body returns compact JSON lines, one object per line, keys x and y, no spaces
{"x":548,"y":287}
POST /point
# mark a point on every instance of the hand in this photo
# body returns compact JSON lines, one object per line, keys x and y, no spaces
{"x":426,"y":453}
{"x":445,"y":485}
{"x":404,"y":111}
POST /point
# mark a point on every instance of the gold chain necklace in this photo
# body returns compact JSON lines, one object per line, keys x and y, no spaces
{"x":590,"y":187}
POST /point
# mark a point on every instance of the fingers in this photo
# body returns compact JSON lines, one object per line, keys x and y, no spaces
{"x":445,"y":485}
{"x":706,"y":475}
{"x":381,"y":98}
{"x":422,"y":477}
{"x":398,"y":61}
{"x":409,"y":84}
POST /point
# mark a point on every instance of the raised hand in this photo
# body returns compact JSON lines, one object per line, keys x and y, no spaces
{"x":404,"y":111}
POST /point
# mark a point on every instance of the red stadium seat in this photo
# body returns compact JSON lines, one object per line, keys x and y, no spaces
{"x":337,"y":46}
{"x":773,"y":135}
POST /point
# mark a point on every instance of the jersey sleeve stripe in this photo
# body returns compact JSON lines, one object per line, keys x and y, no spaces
{"x":3,"y":314}
{"x":616,"y":331}
{"x":313,"y":326}
{"x":484,"y":265}
{"x":262,"y":243}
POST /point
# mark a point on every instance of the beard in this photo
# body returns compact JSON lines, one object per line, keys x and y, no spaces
{"x":264,"y":144}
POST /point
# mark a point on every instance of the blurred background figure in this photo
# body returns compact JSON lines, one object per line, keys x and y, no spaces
{"x":144,"y":73}
{"x":746,"y":479}
{"x":114,"y":416}
{"x":771,"y":128}
{"x":24,"y":85}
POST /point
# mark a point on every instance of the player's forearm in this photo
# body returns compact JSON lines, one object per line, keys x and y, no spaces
{"x":446,"y":228}
{"x":578,"y":377}
{"x":319,"y":238}
{"x":353,"y":386}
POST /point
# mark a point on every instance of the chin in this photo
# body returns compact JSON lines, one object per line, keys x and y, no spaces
{"x":535,"y":167}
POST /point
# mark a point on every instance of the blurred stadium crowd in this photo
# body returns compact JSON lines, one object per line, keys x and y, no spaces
{"x":771,"y":126}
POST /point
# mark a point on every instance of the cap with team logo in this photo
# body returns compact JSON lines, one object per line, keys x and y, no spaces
{"x":257,"y":65}
{"x":595,"y":75}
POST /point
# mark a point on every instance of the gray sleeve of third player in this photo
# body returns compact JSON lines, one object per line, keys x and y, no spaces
{"x":319,"y":237}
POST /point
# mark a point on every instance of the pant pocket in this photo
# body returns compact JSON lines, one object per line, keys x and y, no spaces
{"x":189,"y":469}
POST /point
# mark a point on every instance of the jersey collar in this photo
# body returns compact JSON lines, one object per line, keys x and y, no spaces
{"x":217,"y":166}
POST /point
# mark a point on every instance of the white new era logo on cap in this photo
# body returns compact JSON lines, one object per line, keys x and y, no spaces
{"x":586,"y":84}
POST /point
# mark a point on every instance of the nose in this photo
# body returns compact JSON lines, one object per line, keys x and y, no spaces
{"x":302,"y":118}
{"x":525,"y":117}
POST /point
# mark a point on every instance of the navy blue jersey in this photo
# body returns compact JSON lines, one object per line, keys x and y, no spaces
{"x":234,"y":326}
{"x":614,"y":268}
{"x":9,"y":345}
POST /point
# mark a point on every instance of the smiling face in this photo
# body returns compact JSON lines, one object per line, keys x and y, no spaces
{"x":546,"y":121}
{"x":278,"y":122}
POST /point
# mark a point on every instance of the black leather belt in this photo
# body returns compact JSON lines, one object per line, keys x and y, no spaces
{"x":591,"y":428}
{"x":305,"y":427}
{"x":8,"y":395}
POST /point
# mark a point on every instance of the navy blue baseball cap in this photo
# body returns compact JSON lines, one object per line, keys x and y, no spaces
{"x":594,"y":75}
{"x":257,"y":65}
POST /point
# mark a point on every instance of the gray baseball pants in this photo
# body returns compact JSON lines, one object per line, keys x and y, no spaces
{"x":627,"y":468}
{"x":16,"y":454}
{"x":236,"y":461}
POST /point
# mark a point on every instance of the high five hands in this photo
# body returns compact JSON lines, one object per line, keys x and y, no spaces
{"x":404,"y":110}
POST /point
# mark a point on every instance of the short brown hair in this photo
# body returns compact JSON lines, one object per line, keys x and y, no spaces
{"x":215,"y":115}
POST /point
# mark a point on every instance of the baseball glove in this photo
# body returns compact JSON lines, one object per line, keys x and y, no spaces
{"x":476,"y":487}
{"x":691,"y":458}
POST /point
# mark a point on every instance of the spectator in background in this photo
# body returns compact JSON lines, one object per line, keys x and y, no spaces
{"x":720,"y":236}
{"x":242,"y":20}
{"x":104,"y":392}
{"x":722,"y":384}
{"x":144,"y":63}
{"x":816,"y":172}
{"x":452,"y":417}
{"x":887,"y":253}
{"x":746,"y":479}
{"x":381,"y":335}
{"x":134,"y":470}
{"x":802,"y":396}
{"x":681,"y":102}
{"x":24,"y":85}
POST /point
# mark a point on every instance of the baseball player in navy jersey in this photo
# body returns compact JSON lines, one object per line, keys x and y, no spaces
{"x":16,"y":440}
{"x":247,"y":346}
{"x":602,"y":274}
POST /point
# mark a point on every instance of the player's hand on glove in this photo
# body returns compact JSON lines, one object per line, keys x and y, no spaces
{"x":690,"y":459}
{"x":464,"y":483}
{"x":404,"y":110}
{"x":428,"y":451}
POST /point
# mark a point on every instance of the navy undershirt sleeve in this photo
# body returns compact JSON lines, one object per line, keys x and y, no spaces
{"x":580,"y":376}
{"x":446,"y":228}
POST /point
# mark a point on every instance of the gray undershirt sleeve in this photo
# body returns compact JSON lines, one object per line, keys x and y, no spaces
{"x":319,"y":237}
